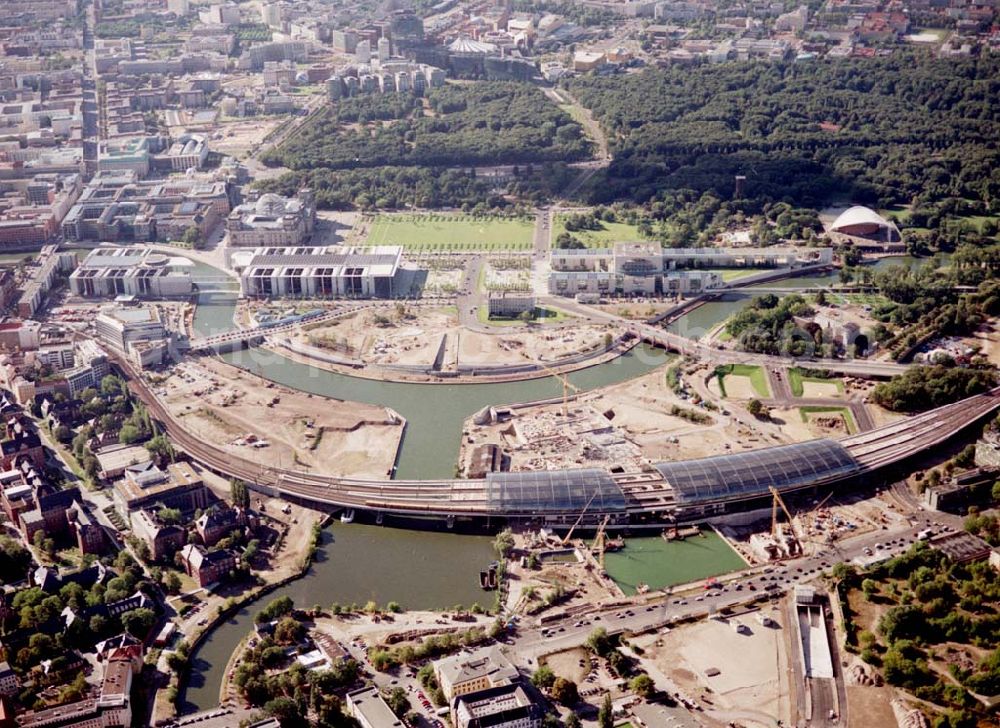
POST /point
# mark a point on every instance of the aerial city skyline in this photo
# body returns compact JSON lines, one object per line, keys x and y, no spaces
{"x":499,"y":364}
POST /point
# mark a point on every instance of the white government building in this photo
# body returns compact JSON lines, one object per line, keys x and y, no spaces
{"x":318,"y":272}
{"x":110,"y":271}
{"x":647,"y":268}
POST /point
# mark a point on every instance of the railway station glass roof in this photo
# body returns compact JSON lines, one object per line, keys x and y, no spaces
{"x":554,"y":491}
{"x":749,"y":474}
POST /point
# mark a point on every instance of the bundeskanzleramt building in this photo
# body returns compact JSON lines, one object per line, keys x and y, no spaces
{"x":334,"y":272}
{"x":110,"y":272}
{"x":647,"y":268}
{"x":510,"y":304}
{"x":273,"y":220}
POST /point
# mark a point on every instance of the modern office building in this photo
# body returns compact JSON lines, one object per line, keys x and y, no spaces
{"x":189,"y":151}
{"x":130,"y":153}
{"x":325,"y":272}
{"x":91,"y":366}
{"x":137,"y":332}
{"x":116,"y":207}
{"x":406,"y":77}
{"x":42,"y":275}
{"x":566,"y":283}
{"x":647,"y":268}
{"x":118,"y":326}
{"x":113,"y":271}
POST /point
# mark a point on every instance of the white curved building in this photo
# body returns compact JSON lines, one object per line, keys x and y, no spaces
{"x":863,"y":222}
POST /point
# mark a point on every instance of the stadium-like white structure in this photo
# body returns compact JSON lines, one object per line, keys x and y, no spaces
{"x":863,"y":222}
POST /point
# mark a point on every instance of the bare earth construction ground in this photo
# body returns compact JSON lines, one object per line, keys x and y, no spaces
{"x":232,"y":408}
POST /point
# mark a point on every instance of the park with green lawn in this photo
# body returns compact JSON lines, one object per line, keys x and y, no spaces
{"x":605,"y":236}
{"x":541,"y":315}
{"x":798,"y":378}
{"x":742,"y":381}
{"x":446,"y":233}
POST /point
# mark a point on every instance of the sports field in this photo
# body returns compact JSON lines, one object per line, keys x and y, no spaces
{"x":445,"y":233}
{"x":843,"y":412}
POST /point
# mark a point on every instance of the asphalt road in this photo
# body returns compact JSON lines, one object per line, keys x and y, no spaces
{"x":737,"y":589}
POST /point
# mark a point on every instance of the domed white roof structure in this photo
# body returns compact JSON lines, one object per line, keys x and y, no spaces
{"x":864,"y":222}
{"x":270,"y":204}
{"x":472,"y":47}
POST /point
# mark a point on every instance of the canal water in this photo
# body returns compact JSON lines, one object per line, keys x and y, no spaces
{"x":700,"y":321}
{"x":657,"y":563}
{"x":434,"y":412}
{"x":358,"y":563}
{"x":355,"y":564}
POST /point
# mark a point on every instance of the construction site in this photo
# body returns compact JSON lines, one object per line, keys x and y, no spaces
{"x":423,"y":337}
{"x":275,"y":425}
{"x":808,"y":527}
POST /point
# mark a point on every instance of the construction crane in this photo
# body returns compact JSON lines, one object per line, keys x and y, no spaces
{"x":600,"y":540}
{"x":566,"y":384}
{"x":777,"y":501}
{"x":569,"y":533}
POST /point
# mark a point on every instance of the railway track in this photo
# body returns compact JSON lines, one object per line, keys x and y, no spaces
{"x":645,"y":492}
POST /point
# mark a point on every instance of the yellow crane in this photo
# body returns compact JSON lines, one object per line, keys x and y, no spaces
{"x":774,"y":515}
{"x":569,"y":533}
{"x":566,"y":384}
{"x":599,"y":540}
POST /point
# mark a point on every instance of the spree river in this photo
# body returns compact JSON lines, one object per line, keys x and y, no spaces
{"x":434,"y":412}
{"x":357,"y":563}
{"x":418,"y":569}
{"x":706,"y":317}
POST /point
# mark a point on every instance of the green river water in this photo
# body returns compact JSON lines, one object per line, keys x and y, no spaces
{"x":423,"y":569}
{"x":419,"y":569}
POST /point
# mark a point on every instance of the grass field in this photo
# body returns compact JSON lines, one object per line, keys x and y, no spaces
{"x":542,"y":316}
{"x":858,"y":299}
{"x":901,"y":215}
{"x":430,"y":233}
{"x":733,"y":274}
{"x":844,"y":412}
{"x":613,"y":232}
{"x":796,"y":378}
{"x":758,"y":379}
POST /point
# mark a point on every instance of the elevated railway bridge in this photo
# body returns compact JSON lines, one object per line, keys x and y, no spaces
{"x":667,"y":492}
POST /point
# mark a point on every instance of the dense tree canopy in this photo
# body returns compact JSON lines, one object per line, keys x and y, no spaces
{"x":390,"y":188}
{"x":882,"y":130}
{"x":461,"y":125}
{"x":921,"y":388}
{"x":767,"y":326}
